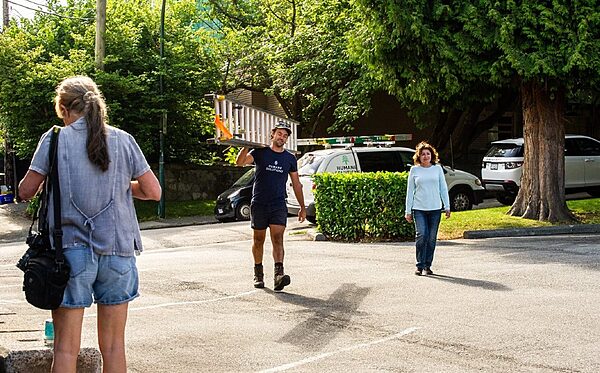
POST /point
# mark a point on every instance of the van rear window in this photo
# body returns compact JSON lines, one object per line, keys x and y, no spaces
{"x":308,"y":164}
{"x":505,"y":150}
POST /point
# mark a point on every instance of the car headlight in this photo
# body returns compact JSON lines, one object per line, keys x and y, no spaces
{"x":234,"y":194}
{"x":478,"y":182}
{"x":512,"y":165}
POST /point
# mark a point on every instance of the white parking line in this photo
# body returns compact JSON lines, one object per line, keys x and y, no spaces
{"x":161,"y":305}
{"x":281,"y":368}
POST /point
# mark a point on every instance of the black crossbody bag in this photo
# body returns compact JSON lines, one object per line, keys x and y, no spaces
{"x":46,"y":271}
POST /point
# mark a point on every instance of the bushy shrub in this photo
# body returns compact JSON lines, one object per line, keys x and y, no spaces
{"x":362,"y":206}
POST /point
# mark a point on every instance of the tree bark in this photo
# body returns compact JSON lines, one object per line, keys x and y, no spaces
{"x":542,"y":192}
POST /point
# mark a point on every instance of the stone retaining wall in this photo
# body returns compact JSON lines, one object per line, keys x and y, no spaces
{"x":191,"y":182}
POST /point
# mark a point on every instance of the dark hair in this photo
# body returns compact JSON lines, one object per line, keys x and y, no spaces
{"x":423,"y":145}
{"x":81,"y":95}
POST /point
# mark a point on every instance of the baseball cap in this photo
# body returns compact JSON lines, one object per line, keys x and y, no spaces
{"x":283,"y":125}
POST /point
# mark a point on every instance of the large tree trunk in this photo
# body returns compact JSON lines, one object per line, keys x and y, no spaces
{"x":542,"y":192}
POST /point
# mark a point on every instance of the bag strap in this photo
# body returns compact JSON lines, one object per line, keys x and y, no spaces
{"x":54,"y":186}
{"x":41,"y":212}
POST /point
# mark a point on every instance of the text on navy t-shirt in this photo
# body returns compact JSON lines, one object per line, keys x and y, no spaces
{"x":272,"y":169}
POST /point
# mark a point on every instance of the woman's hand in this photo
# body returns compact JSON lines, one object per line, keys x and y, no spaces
{"x":447,"y":214}
{"x":408,"y":218}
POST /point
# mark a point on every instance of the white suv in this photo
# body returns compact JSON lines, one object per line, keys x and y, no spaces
{"x":465,"y":190}
{"x":503,"y":164}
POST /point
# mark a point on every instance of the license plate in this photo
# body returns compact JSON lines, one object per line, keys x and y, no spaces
{"x":493,"y":166}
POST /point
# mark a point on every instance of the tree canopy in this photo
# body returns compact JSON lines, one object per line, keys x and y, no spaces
{"x":36,"y":54}
{"x":445,"y":55}
{"x":296,"y":51}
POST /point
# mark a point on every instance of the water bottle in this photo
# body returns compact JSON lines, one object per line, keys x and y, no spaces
{"x":49,"y":332}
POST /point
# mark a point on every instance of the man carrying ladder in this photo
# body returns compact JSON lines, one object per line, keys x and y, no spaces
{"x":268,"y":208}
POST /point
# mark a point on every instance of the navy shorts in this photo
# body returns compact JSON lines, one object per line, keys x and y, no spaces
{"x":263,"y":215}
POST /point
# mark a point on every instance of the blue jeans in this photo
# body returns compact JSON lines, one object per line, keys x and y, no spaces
{"x":426,"y":227}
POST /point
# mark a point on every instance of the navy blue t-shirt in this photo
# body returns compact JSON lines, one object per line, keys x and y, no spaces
{"x":272,"y":169}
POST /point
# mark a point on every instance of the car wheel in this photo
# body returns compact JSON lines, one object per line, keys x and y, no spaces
{"x":311,"y":218}
{"x":242,"y":211}
{"x":460,"y":200}
{"x":505,"y":199}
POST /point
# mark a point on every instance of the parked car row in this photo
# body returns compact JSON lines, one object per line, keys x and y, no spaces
{"x":501,"y":172}
{"x":502,"y":167}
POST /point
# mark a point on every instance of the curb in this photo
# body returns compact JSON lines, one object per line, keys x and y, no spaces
{"x":536,"y":231}
{"x":40,"y":361}
{"x":170,"y":223}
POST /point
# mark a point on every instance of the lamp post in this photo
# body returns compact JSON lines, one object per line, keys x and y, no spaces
{"x":163,"y":124}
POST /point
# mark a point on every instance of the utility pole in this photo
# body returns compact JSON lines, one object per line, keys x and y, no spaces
{"x":100,"y":33}
{"x":5,"y":18}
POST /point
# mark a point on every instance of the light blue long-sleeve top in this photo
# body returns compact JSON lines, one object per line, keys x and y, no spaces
{"x":427,"y":189}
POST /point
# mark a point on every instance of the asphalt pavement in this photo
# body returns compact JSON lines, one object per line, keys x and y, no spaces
{"x":494,"y":305}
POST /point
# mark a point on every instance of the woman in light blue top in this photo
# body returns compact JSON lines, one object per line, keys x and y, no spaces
{"x":426,"y":194}
{"x":100,"y":169}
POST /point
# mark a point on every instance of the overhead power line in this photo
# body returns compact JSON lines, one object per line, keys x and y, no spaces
{"x":48,"y":13}
{"x":38,"y":4}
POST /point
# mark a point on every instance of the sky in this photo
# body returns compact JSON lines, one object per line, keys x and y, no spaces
{"x":25,"y":8}
{"x":16,"y":8}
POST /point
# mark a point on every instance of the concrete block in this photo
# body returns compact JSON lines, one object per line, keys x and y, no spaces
{"x":40,"y":361}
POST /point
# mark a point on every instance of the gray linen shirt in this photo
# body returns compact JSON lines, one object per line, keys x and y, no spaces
{"x":97,"y":207}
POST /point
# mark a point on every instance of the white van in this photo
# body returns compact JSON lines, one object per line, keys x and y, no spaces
{"x":464,"y":188}
{"x":502,"y":167}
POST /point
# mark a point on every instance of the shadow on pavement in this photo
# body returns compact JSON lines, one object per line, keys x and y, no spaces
{"x":327,"y":317}
{"x":488,"y":285}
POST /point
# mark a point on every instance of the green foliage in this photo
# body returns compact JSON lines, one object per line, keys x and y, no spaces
{"x":295,"y":51}
{"x":148,"y":210}
{"x":439,"y":55}
{"x":231,"y":155}
{"x":33,"y":206}
{"x":362,"y":206}
{"x":37,"y":54}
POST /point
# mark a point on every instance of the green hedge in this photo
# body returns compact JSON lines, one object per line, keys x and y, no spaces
{"x":362,"y":206}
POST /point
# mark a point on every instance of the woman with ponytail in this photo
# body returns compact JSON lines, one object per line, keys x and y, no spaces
{"x":101,"y":169}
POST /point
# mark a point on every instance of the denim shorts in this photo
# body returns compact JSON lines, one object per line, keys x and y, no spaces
{"x":102,"y":279}
{"x":263,"y":215}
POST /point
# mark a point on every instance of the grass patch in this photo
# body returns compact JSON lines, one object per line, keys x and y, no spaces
{"x":297,"y":233}
{"x":148,"y":210}
{"x":587,"y":211}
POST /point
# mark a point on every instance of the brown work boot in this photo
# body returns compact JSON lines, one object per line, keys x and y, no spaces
{"x":281,"y":280}
{"x":259,"y":277}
